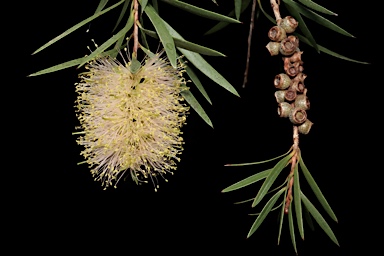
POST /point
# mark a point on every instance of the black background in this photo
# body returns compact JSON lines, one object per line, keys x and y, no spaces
{"x":59,"y":208}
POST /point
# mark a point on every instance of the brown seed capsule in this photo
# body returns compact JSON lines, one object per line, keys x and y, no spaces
{"x":289,"y":24}
{"x":277,"y":34}
{"x":305,"y":127}
{"x":282,"y":81}
{"x":297,"y":116}
{"x":296,"y":57}
{"x":291,"y":69}
{"x":280,"y":96}
{"x":290,"y":95}
{"x":289,"y":45}
{"x":284,"y":109}
{"x":302,"y":102}
{"x":273,"y":48}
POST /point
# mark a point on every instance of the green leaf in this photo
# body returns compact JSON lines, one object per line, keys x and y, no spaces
{"x":101,"y":5}
{"x":143,"y":36}
{"x":316,"y":7}
{"x":308,"y":218}
{"x":237,"y":8}
{"x":117,"y":46}
{"x":203,"y":65}
{"x":316,"y":190}
{"x":269,"y":17}
{"x":317,"y":18}
{"x":261,"y":162}
{"x":318,"y":218}
{"x":110,"y":41}
{"x":271,"y":179}
{"x":67,"y":64}
{"x":264,"y":212}
{"x":303,"y":27}
{"x":248,"y":181}
{"x":197,"y":82}
{"x":143,"y":4}
{"x":245,"y":201}
{"x":165,"y":37}
{"x":187,"y":45}
{"x":122,"y":13}
{"x":297,"y":201}
{"x":291,"y":227}
{"x":223,"y":24}
{"x":155,"y":5}
{"x":273,"y":209}
{"x":78,"y":25}
{"x":188,"y":96}
{"x":325,"y":50}
{"x":281,"y":216}
{"x":200,"y":12}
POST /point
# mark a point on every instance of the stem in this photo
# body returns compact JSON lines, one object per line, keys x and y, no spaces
{"x":251,"y":26}
{"x":294,"y":159}
{"x":276,"y":11}
{"x":135,"y":29}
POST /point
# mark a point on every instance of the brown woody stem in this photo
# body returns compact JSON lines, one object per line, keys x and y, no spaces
{"x":251,"y":26}
{"x":276,"y":11}
{"x":135,"y":29}
{"x":294,"y":160}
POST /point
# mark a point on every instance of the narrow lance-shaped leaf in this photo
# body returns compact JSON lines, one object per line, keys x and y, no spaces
{"x":264,"y":212}
{"x":317,"y":18}
{"x":329,"y":52}
{"x":303,"y":27}
{"x":110,"y":41}
{"x":297,"y":201}
{"x":143,"y":4}
{"x":69,"y":64}
{"x":316,"y":190}
{"x":319,"y":219}
{"x":269,"y":17}
{"x":77,"y":26}
{"x":237,"y":8}
{"x":101,"y":5}
{"x":316,"y":7}
{"x":223,"y":24}
{"x":200,"y":12}
{"x":248,"y":181}
{"x":165,"y":37}
{"x":203,"y":65}
{"x":282,"y":215}
{"x":261,"y":162}
{"x":188,"y":96}
{"x":291,"y":228}
{"x":271,"y":179}
{"x":187,"y":45}
{"x":122,"y":13}
{"x":197,"y":83}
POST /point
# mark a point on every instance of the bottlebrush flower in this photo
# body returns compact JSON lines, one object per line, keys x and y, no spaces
{"x":131,"y":120}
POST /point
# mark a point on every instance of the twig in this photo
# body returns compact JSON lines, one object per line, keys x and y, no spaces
{"x":251,"y":26}
{"x":294,"y":159}
{"x":276,"y":11}
{"x":135,"y":29}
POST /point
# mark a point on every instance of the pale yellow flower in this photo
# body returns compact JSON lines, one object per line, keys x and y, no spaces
{"x":131,"y":121}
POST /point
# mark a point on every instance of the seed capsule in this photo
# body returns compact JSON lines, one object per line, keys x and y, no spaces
{"x":289,"y":45}
{"x":290,"y":95}
{"x":277,"y":34}
{"x":282,"y":81}
{"x":284,"y":109}
{"x":305,"y":127}
{"x":280,"y":96}
{"x":302,"y":102}
{"x":289,"y":24}
{"x":297,"y":116}
{"x":273,"y":48}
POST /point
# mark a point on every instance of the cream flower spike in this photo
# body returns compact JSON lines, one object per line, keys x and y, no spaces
{"x":131,"y":120}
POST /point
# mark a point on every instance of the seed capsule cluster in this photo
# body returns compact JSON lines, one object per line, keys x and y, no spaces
{"x":292,"y":94}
